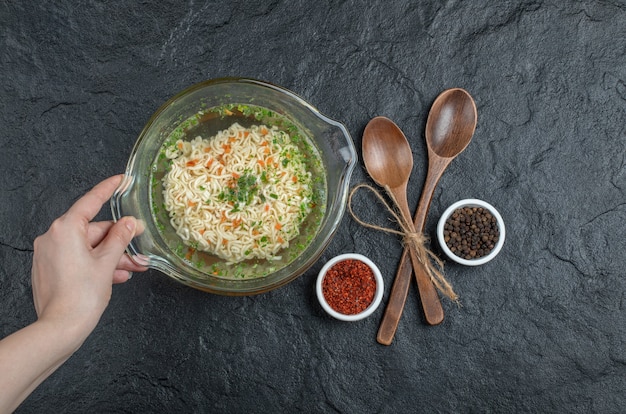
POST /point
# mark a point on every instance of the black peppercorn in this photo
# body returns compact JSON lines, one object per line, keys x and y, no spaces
{"x":471,"y":232}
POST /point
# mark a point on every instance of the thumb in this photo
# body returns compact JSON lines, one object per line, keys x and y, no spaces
{"x":117,"y":239}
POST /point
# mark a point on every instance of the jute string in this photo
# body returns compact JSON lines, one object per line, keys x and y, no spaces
{"x":410,"y":238}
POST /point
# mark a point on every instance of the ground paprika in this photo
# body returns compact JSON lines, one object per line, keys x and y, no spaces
{"x":349,"y":286}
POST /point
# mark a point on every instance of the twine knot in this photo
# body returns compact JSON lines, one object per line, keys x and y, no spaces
{"x":410,"y":238}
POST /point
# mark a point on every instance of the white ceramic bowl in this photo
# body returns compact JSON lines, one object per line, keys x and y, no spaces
{"x":378,"y":295}
{"x":471,"y":202}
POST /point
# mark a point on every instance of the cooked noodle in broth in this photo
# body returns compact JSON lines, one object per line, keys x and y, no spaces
{"x":239,"y":195}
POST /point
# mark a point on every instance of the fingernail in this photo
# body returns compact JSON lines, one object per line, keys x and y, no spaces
{"x":130,"y":223}
{"x":141,"y":259}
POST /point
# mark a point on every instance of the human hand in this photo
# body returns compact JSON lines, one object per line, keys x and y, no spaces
{"x":76,"y":262}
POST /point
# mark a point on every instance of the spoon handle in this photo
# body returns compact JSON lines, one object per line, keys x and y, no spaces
{"x":431,"y":305}
{"x":399,"y":293}
{"x":433,"y":311}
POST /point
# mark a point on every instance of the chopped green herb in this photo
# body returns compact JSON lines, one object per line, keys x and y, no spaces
{"x":241,"y":192}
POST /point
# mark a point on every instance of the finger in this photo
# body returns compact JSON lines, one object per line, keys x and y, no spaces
{"x":114,"y":244}
{"x":90,"y":204}
{"x":97,"y":231}
{"x":126,"y":263}
{"x":121,"y":276}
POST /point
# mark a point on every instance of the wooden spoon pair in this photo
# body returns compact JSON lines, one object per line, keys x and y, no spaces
{"x":389,"y":161}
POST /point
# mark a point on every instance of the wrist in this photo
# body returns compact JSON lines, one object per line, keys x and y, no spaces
{"x":30,"y":355}
{"x":68,"y":337}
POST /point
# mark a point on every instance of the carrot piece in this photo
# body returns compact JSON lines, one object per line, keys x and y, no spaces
{"x":294,"y":179}
{"x":267,"y":207}
{"x":190,"y":253}
{"x":209,"y":163}
{"x":191,"y":163}
{"x":264,"y":131}
{"x":261,"y":163}
{"x":278,"y":226}
{"x":180,"y":145}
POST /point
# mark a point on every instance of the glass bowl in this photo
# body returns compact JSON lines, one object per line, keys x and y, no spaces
{"x":215,"y":105}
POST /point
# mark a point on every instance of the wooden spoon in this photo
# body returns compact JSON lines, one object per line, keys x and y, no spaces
{"x":449,"y":129}
{"x":389,"y":161}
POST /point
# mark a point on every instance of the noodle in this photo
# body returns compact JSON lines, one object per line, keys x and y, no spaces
{"x":239,"y":195}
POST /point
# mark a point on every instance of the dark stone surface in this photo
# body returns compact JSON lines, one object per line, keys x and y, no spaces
{"x":542,"y":328}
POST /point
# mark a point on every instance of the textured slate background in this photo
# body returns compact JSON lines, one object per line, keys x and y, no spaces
{"x":542,"y":328}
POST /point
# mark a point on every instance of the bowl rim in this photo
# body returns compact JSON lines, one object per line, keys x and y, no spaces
{"x":378,"y":295}
{"x":471,"y":202}
{"x":162,"y":264}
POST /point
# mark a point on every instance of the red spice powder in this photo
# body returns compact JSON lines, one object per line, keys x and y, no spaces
{"x":349,"y":286}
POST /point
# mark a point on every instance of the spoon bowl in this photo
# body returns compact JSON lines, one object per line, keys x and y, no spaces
{"x":381,"y":139}
{"x":451,"y":123}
